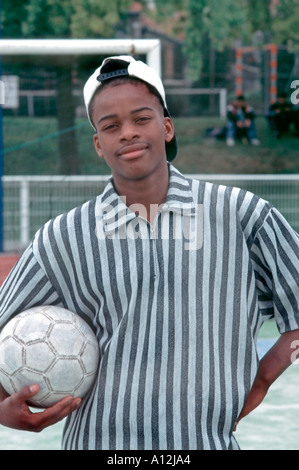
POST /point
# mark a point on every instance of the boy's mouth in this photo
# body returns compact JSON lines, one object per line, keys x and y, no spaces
{"x":131,"y":151}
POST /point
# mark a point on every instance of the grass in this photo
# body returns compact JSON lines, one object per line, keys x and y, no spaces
{"x":31,"y":148}
{"x":201,"y":155}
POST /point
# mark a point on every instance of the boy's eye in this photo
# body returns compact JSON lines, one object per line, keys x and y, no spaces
{"x":109,"y":127}
{"x":143,"y":119}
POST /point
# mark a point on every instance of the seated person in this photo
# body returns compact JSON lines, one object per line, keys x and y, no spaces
{"x":282,"y":114}
{"x":240,"y":122}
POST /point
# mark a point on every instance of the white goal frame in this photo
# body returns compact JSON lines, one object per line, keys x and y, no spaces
{"x":151,"y":48}
{"x":222,"y":92}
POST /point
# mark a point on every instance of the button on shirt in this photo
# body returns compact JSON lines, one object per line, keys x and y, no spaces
{"x":176,"y":307}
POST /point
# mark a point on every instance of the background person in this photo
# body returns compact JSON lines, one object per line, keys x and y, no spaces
{"x":282,"y":115}
{"x":240,"y":122}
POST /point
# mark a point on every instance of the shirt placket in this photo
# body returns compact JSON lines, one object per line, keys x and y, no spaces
{"x":153,"y":235}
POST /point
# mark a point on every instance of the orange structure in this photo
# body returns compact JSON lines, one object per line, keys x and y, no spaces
{"x":240,"y":51}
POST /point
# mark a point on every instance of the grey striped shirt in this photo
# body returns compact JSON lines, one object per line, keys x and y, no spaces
{"x":176,"y":307}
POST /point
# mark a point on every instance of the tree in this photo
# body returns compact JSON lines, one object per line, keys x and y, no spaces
{"x":286,"y":29}
{"x":73,"y":19}
{"x":210,"y":24}
{"x":216,"y":23}
{"x":259,"y":16}
{"x":286,"y":22}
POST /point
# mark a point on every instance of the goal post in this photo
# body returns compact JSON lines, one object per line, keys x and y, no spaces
{"x":150,"y":48}
{"x":221,"y":92}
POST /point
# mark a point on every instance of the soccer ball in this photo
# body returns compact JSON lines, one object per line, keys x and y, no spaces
{"x":52,"y":347}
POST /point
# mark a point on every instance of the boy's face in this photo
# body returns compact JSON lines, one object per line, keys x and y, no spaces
{"x":131,"y":130}
{"x":240,"y":103}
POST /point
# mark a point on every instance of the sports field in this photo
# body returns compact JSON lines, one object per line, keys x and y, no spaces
{"x":33,"y":150}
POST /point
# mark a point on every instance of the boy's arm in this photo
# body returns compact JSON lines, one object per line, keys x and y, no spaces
{"x":271,"y":366}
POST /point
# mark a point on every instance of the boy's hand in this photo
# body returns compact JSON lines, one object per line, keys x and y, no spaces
{"x":253,"y":400}
{"x":15,"y":412}
{"x":271,"y":366}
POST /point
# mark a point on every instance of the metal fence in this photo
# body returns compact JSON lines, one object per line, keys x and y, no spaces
{"x":29,"y":201}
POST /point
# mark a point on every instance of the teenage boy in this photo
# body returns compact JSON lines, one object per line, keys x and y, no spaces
{"x":175,"y":275}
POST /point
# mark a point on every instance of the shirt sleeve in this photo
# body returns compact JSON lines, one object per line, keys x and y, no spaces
{"x":26,"y":286}
{"x":275,"y":255}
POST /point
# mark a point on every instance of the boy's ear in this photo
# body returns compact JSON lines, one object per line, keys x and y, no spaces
{"x":97,"y":145}
{"x":168,"y":129}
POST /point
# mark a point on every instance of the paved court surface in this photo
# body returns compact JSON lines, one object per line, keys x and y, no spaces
{"x":7,"y":261}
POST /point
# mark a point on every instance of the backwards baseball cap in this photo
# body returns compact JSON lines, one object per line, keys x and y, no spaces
{"x":127,"y":66}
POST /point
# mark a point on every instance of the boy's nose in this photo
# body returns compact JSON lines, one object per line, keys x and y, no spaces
{"x":129,"y":132}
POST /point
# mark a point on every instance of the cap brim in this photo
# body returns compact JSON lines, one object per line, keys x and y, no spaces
{"x":171,"y":149}
{"x":172,"y":146}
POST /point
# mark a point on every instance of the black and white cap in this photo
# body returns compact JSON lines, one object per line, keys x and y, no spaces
{"x":120,"y":66}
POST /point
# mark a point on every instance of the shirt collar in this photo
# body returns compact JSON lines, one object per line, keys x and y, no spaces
{"x":179,"y":199}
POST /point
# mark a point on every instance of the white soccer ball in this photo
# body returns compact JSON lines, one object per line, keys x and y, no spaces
{"x":52,"y":347}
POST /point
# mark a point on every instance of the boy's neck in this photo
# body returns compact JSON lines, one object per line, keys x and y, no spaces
{"x":145,"y":195}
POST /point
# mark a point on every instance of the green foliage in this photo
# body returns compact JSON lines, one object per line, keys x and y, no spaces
{"x":94,"y":18}
{"x":48,"y":17}
{"x":259,"y":15}
{"x":286,"y":23}
{"x":166,"y":8}
{"x":62,"y":18}
{"x":219,"y":23}
{"x":12,"y":17}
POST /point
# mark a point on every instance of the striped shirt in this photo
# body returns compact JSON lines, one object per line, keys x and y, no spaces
{"x":176,"y":307}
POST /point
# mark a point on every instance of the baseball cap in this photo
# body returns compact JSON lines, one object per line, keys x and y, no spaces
{"x":127,"y":66}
